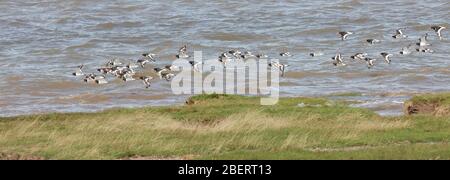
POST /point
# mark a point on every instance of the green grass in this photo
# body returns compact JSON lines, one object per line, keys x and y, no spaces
{"x":440,"y":98}
{"x":228,"y":127}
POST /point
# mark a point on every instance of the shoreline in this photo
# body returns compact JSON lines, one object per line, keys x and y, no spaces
{"x":234,"y":127}
{"x":352,"y":97}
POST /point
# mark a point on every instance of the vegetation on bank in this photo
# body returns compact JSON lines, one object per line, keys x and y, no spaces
{"x":436,"y":104}
{"x":231,"y":127}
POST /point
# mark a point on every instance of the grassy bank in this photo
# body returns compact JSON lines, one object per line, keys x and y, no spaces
{"x":434,"y":104}
{"x":228,"y":127}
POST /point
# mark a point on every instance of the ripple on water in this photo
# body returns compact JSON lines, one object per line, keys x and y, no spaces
{"x":112,"y":25}
{"x":42,"y":42}
{"x":58,"y":85}
{"x":14,"y":78}
{"x":222,"y":36}
{"x":86,"y":45}
{"x":85,"y":98}
{"x":413,"y":79}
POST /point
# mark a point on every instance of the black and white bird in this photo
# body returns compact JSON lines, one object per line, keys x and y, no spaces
{"x":386,"y":57}
{"x":146,"y":80}
{"x":345,"y":34}
{"x":279,"y":66}
{"x":89,"y":78}
{"x":143,"y":62}
{"x":406,"y":50}
{"x":120,"y":71}
{"x":314,"y":54}
{"x":424,"y":49}
{"x":438,"y":30}
{"x":129,"y":70}
{"x":172,"y":68}
{"x":164,"y":74}
{"x":149,"y":56}
{"x":160,"y":71}
{"x":224,"y":58}
{"x":182,"y":53}
{"x":101,"y":81}
{"x":79,"y":71}
{"x":113,"y":62}
{"x":195,"y":65}
{"x":224,"y":55}
{"x":105,"y":70}
{"x":262,"y":56}
{"x":247,"y":55}
{"x":370,"y":62}
{"x":168,"y":76}
{"x":146,"y":58}
{"x":127,"y":77}
{"x":236,"y":53}
{"x":423,"y":41}
{"x":359,"y":56}
{"x":338,"y":61}
{"x":399,"y":34}
{"x":132,"y":65}
{"x":285,"y":54}
{"x":373,"y":41}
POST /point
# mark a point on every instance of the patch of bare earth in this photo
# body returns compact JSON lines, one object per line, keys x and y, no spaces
{"x":437,"y":104}
{"x":6,"y":156}
{"x":367,"y":147}
{"x":136,"y":157}
{"x":411,"y":108}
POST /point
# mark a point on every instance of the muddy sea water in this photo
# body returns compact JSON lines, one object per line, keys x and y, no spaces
{"x":42,"y":42}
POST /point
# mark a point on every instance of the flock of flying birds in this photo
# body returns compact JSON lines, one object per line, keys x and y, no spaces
{"x":421,"y":46}
{"x":127,"y":72}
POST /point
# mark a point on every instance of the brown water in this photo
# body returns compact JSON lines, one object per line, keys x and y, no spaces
{"x":41,"y":42}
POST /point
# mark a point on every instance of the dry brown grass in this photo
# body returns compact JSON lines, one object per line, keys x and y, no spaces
{"x":285,"y":130}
